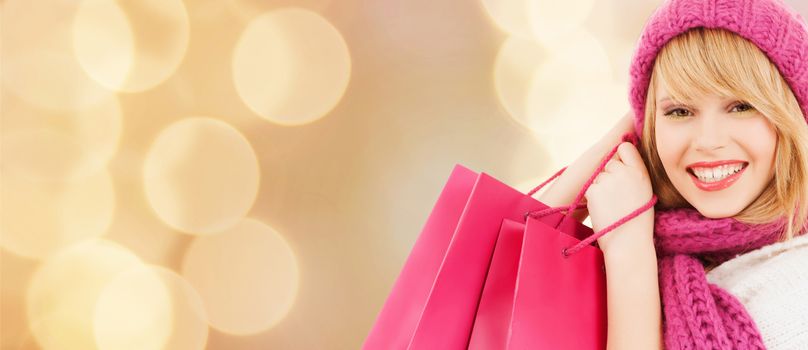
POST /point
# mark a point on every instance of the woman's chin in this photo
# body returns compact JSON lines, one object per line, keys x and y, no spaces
{"x":716,"y":211}
{"x":714,"y":205}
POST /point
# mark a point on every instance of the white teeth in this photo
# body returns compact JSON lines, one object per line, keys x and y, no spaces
{"x":717,"y":173}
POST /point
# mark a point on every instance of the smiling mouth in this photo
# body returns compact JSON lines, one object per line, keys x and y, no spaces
{"x":717,"y":184}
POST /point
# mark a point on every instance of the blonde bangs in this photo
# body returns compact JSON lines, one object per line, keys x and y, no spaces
{"x":703,"y":62}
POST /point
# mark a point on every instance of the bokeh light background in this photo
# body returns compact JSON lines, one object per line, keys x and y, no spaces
{"x":246,"y":174}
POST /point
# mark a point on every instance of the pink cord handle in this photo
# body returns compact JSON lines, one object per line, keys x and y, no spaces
{"x":576,"y":204}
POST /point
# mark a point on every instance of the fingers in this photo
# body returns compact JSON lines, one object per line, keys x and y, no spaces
{"x":630,"y":156}
{"x":600,"y":177}
{"x":611,"y":165}
{"x":626,"y":155}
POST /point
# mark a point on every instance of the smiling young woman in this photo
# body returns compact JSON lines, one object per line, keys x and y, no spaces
{"x":708,"y":146}
{"x":732,"y":104}
{"x":719,"y":97}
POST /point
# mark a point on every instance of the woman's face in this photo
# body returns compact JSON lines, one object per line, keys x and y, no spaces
{"x":718,"y":153}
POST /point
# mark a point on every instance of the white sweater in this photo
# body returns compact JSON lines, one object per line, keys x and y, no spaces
{"x":772,"y":283}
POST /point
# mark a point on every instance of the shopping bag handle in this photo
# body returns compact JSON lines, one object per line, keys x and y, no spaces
{"x":576,"y":204}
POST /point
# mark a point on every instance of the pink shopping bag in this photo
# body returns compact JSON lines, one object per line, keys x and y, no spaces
{"x":546,"y":285}
{"x":492,"y":321}
{"x":559,"y":301}
{"x":402,"y":310}
{"x":434,"y":300}
{"x":492,"y":325}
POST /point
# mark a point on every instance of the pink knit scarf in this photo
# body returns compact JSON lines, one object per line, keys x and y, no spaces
{"x":698,"y":314}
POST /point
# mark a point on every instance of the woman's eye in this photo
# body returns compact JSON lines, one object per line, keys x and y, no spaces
{"x":674,"y":113}
{"x":744,"y":107}
{"x":678,"y":113}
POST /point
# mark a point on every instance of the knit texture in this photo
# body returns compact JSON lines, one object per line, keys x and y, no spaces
{"x":771,"y":283}
{"x":700,"y":315}
{"x":779,"y":31}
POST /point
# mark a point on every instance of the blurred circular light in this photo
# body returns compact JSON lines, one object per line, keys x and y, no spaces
{"x":247,"y":276}
{"x":130,"y":46}
{"x":516,"y":63}
{"x":291,"y":66}
{"x":133,"y":311}
{"x":63,"y":292}
{"x":542,"y":20}
{"x":201,"y":175}
{"x":587,"y":113}
{"x":551,"y":21}
{"x":510,"y":15}
{"x":103,"y":42}
{"x":150,"y":307}
{"x":579,"y":62}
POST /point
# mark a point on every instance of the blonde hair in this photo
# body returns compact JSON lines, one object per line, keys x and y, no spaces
{"x":705,"y":61}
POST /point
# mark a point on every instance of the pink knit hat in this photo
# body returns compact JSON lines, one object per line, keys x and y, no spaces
{"x":774,"y":27}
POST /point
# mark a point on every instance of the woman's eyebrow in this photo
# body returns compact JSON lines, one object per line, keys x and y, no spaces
{"x":675,"y":102}
{"x":667,"y":98}
{"x":664,"y":99}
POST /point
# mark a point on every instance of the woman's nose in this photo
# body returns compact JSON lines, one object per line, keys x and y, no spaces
{"x":710,"y":134}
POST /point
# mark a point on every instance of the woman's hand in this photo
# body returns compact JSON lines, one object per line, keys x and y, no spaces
{"x":622,"y":187}
{"x":563,"y":190}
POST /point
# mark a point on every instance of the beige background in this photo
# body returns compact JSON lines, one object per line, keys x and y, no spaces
{"x":244,"y":174}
